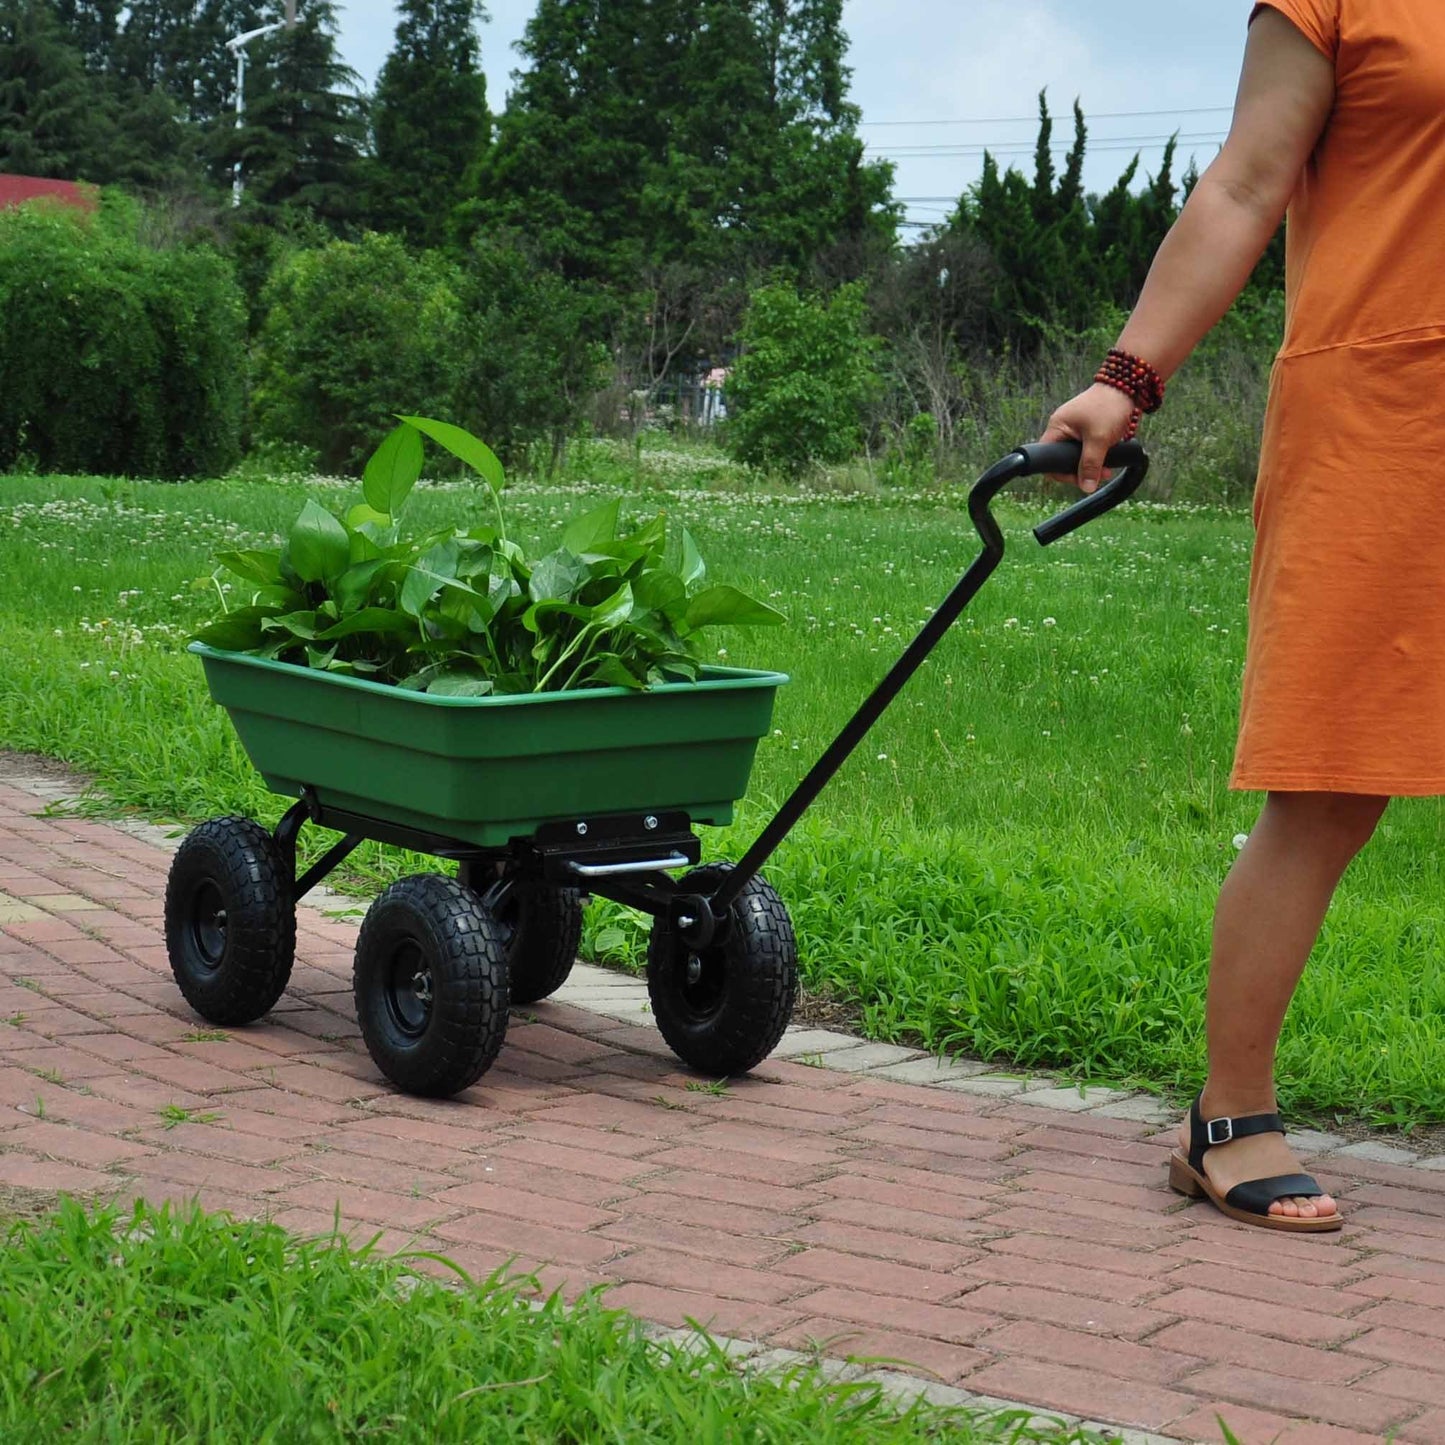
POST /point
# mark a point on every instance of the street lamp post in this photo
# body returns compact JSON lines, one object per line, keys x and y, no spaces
{"x":237,"y":46}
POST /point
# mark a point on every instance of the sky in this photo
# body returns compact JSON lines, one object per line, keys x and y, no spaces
{"x":922,"y":66}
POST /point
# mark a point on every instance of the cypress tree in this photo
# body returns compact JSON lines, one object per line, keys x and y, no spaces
{"x":430,"y":122}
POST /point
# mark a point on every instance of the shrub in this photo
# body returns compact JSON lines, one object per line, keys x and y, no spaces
{"x":115,"y":357}
{"x":805,"y":374}
{"x":355,"y":331}
{"x":530,"y":372}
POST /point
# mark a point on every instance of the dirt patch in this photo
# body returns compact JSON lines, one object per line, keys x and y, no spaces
{"x":37,"y":765}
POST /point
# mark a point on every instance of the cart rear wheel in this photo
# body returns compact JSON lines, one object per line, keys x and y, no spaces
{"x":230,"y":920}
{"x":542,"y":927}
{"x":431,"y":986}
{"x":723,"y":1009}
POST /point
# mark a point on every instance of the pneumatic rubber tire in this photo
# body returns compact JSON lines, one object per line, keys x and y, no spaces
{"x":230,"y":921}
{"x":430,"y":983}
{"x":723,"y":1009}
{"x":543,"y":928}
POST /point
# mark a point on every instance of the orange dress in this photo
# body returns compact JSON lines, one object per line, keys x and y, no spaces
{"x":1344,"y":686}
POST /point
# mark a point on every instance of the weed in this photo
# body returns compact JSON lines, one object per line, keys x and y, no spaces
{"x":173,"y":1114}
{"x":206,"y":1036}
{"x":718,"y":1088}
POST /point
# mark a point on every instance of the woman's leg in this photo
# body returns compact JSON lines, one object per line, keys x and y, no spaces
{"x":1269,"y":916}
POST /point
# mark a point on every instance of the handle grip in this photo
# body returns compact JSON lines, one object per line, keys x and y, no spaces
{"x":1058,"y":458}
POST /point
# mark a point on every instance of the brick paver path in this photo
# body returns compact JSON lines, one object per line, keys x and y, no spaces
{"x":1021,"y":1252}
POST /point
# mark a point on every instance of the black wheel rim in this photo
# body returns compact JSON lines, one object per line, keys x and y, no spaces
{"x":208,"y":925}
{"x":409,"y":990}
{"x":701,"y":982}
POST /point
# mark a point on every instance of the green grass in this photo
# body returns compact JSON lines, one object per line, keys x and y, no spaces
{"x":175,"y":1327}
{"x":1021,"y":861}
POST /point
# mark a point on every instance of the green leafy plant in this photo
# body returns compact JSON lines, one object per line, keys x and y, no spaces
{"x":466,"y":613}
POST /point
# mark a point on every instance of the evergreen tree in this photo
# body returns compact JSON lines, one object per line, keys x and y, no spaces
{"x":55,"y":119}
{"x":304,"y":135}
{"x":430,"y":121}
{"x":716,"y":132}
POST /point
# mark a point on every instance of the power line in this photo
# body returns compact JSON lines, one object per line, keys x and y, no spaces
{"x":1024,"y":119}
{"x":1108,"y":142}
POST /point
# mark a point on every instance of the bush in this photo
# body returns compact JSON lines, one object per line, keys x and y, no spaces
{"x":530,"y":373}
{"x":354,"y":333}
{"x":114,"y":357}
{"x":798,"y":392}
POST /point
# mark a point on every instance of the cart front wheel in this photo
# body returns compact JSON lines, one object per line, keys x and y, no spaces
{"x":431,"y":986}
{"x":722,"y":1009}
{"x":230,"y":920}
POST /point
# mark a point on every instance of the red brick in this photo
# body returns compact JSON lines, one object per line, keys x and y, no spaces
{"x":872,"y":1276}
{"x":1077,"y":1230}
{"x":202,"y":1172}
{"x":1057,"y":1162}
{"x":1332,"y":1404}
{"x":1255,"y":1427}
{"x":71,"y":1064}
{"x":309,"y":1081}
{"x":904,"y":1223}
{"x":672,"y":1269}
{"x":931,"y":1190}
{"x":1396,"y":1347}
{"x":763,"y":1113}
{"x":1257,"y":1317}
{"x":374,"y":1206}
{"x":1151,"y":1363}
{"x":457,"y":1136}
{"x":742,"y":1166}
{"x":339,"y":1165}
{"x":1396,"y":1315}
{"x":265,"y":1100}
{"x":710,"y":1215}
{"x":1081,"y":1392}
{"x":1080,"y":1278}
{"x":728,"y":1246}
{"x":933,"y":1142}
{"x":597,"y":1111}
{"x":19,"y":1171}
{"x":739,"y":1319}
{"x":956,"y":1323}
{"x":1141,"y":1263}
{"x":535,"y":1241}
{"x":1428,"y":1428}
{"x":888,"y":1243}
{"x":1226,"y":1345}
{"x":78,"y":1146}
{"x":552,"y":1043}
{"x":540,"y":1129}
{"x":225,"y":1143}
{"x":1104,"y":1191}
{"x":1423,"y":1386}
{"x":1069,"y":1139}
{"x":1099,"y":1211}
{"x":881,"y":1349}
{"x":1231,"y":1253}
{"x":767,"y":1144}
{"x":524,"y":1153}
{"x":1078,"y":1312}
{"x":515,"y":1204}
{"x":1278,"y":1290}
{"x":919,"y":1113}
{"x":187,"y":1074}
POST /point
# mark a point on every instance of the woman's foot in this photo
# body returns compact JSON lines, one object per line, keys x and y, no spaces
{"x":1261,"y":1156}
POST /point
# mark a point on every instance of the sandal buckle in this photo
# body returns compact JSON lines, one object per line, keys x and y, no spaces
{"x":1219,"y":1131}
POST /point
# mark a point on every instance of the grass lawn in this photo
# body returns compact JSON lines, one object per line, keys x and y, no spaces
{"x":176,"y":1327}
{"x":1020,"y":863}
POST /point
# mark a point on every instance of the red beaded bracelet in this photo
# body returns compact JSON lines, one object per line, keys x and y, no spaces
{"x":1137,"y":380}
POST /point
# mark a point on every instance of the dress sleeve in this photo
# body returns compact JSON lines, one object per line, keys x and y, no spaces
{"x":1317,"y":20}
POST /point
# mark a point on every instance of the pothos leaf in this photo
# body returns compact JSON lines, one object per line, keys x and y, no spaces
{"x":589,"y":531}
{"x":464,"y":446}
{"x":253,"y":564}
{"x":318,"y":547}
{"x":726,"y":606}
{"x":392,"y":471}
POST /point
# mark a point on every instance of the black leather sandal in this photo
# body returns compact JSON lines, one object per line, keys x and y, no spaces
{"x":1248,"y":1202}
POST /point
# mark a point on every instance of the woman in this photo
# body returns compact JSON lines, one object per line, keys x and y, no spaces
{"x":1341,"y":119}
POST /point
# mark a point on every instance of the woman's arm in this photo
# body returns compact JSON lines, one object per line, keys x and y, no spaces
{"x":1286,"y":93}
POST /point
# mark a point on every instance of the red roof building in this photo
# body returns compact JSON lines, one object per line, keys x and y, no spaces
{"x":16,"y":190}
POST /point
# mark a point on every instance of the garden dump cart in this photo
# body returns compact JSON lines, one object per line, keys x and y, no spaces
{"x":540,"y":800}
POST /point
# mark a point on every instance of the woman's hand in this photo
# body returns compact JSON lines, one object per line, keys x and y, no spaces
{"x":1098,"y":418}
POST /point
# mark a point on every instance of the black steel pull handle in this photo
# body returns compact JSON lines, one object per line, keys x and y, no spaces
{"x":1128,"y":458}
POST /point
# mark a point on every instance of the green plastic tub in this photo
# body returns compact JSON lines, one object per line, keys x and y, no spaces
{"x":486,"y":770}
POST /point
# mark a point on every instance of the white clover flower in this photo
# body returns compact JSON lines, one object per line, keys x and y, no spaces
{"x":1050,"y":622}
{"x":1240,"y":839}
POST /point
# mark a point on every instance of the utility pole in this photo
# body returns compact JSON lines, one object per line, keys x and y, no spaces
{"x":237,"y":46}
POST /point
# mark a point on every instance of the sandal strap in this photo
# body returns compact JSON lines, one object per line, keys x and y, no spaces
{"x":1206,"y":1134}
{"x":1255,"y":1196}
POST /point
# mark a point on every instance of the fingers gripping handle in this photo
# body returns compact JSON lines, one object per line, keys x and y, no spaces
{"x":1061,"y":458}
